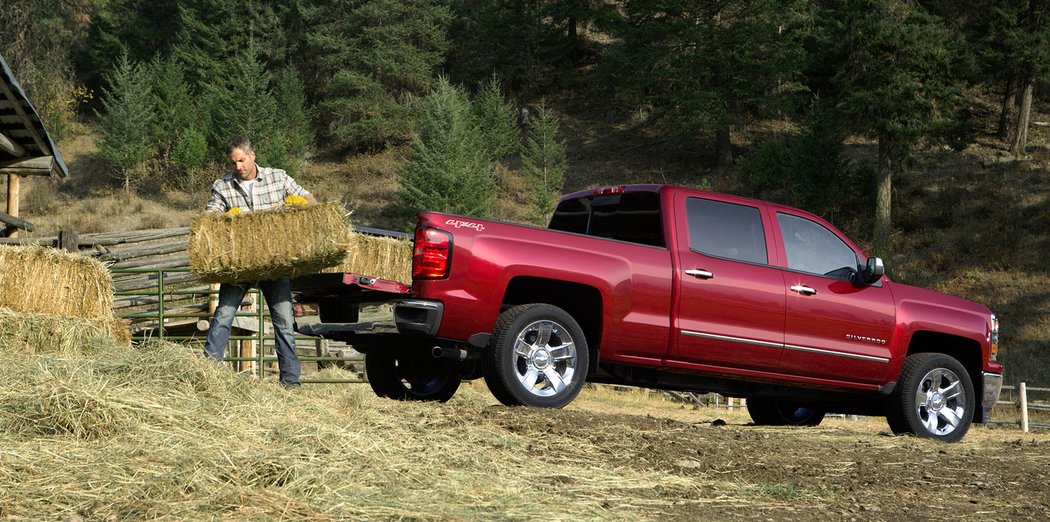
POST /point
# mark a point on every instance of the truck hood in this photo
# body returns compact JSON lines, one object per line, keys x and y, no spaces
{"x":905,"y":294}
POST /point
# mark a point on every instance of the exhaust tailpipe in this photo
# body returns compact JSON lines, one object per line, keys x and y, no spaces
{"x":446,"y":352}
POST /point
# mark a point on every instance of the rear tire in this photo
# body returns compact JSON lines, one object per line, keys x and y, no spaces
{"x":933,"y":399}
{"x":412,"y":378}
{"x":769,"y":412}
{"x":537,"y":356}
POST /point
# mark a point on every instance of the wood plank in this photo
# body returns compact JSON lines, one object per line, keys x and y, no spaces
{"x":166,"y":262}
{"x":11,"y":146}
{"x":120,"y":238}
{"x":17,"y":223}
{"x":125,"y":254}
{"x":38,"y":166}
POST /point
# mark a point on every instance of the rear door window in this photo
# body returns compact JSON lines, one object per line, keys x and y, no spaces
{"x":726,"y":230}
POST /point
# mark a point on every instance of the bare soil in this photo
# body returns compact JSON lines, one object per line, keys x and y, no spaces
{"x":842,"y":470}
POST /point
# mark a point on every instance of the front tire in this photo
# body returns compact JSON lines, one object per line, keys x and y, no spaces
{"x":412,"y":378}
{"x":769,"y":412}
{"x":934,"y":398}
{"x":537,"y":356}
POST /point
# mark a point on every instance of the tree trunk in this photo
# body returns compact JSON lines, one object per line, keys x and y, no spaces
{"x":1024,"y":115}
{"x":1005,"y":111}
{"x":887,"y":164}
{"x":724,"y":148}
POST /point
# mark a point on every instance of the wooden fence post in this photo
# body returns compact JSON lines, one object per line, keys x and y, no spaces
{"x":13,"y":183}
{"x":1023,"y":401}
{"x":68,"y":241}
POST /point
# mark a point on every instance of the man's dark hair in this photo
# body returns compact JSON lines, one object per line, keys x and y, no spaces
{"x":238,"y":141}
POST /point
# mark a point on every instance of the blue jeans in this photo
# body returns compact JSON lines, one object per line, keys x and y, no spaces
{"x":278,"y":296}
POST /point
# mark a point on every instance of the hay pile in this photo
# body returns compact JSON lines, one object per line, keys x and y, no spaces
{"x":161,"y":432}
{"x":374,"y":256}
{"x":39,"y":280}
{"x":51,"y":301}
{"x":289,"y":241}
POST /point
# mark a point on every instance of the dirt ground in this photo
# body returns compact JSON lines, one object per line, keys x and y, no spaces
{"x":842,"y":470}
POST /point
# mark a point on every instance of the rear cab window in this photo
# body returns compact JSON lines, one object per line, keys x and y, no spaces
{"x":634,"y":217}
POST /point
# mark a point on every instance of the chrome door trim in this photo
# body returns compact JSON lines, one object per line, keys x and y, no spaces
{"x":767,"y":344}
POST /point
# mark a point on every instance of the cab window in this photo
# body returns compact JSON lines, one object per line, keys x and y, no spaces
{"x":812,"y":248}
{"x":726,"y":230}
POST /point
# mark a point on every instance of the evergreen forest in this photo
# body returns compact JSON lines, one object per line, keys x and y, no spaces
{"x":471,"y":99}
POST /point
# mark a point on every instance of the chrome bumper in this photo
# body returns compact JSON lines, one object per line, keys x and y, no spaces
{"x":993,"y":384}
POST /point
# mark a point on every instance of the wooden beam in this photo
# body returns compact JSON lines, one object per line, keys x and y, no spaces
{"x":16,"y":222}
{"x":16,"y":104}
{"x":11,"y":146}
{"x":39,"y":166}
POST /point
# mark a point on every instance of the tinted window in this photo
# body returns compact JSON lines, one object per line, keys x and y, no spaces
{"x":633,"y":217}
{"x":814,"y":249}
{"x":726,"y":230}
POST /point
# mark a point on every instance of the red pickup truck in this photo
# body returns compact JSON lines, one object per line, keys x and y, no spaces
{"x":670,"y":288}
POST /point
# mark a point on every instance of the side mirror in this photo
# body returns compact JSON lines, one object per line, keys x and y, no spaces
{"x":872,"y":272}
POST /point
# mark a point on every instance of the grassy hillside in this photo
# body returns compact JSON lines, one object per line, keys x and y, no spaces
{"x":974,"y":223}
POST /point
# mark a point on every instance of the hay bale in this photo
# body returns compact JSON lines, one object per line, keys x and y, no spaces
{"x":260,"y":246}
{"x":374,"y":256}
{"x":39,"y":280}
{"x":45,"y":333}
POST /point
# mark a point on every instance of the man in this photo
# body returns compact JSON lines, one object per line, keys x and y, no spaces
{"x":252,"y":188}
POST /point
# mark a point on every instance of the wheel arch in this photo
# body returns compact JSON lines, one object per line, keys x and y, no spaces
{"x":966,"y":351}
{"x":583,"y":302}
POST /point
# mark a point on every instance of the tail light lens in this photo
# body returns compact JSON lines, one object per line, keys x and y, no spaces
{"x":432,"y":254}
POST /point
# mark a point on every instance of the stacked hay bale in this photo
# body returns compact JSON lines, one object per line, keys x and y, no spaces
{"x":52,"y":300}
{"x":385,"y":257}
{"x":290,"y":241}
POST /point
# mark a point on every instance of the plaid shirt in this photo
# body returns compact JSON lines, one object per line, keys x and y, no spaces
{"x":271,"y":187}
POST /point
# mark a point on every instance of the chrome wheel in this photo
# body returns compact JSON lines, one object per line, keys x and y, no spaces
{"x":537,"y":356}
{"x":934,"y":398}
{"x":545,"y":358}
{"x":940,"y":403}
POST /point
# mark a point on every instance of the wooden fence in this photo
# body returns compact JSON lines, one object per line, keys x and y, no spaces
{"x":1018,"y":397}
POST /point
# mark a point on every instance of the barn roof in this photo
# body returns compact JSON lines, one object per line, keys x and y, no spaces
{"x":25,"y":146}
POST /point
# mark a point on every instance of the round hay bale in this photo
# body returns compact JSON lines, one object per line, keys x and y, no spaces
{"x":375,"y":256}
{"x":45,"y":333}
{"x":261,"y":246}
{"x":39,"y":280}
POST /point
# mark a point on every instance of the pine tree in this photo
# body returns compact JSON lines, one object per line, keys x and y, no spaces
{"x":293,"y":117}
{"x":897,"y":79}
{"x":372,"y":59}
{"x":708,"y":67}
{"x":543,"y":161}
{"x":241,"y":102}
{"x":449,"y":170}
{"x":126,"y":122}
{"x":496,"y":120}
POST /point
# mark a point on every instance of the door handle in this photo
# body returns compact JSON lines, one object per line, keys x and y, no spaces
{"x":803,"y":289}
{"x":700,"y":274}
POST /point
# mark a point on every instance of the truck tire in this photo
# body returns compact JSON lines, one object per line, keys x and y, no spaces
{"x":412,"y":379}
{"x":537,"y":356}
{"x":934,"y":398}
{"x":770,"y":412}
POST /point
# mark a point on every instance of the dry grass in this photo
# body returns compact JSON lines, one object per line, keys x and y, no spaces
{"x":384,"y":257}
{"x":38,"y":280}
{"x":162,"y":432}
{"x":258,"y":246}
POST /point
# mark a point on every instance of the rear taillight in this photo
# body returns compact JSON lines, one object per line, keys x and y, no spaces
{"x":432,"y":255}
